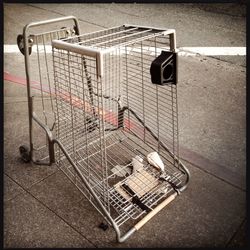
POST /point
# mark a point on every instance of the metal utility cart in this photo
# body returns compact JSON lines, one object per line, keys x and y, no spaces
{"x":112,"y":127}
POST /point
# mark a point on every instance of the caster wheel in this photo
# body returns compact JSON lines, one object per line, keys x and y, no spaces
{"x":25,"y":154}
{"x":20,"y":44}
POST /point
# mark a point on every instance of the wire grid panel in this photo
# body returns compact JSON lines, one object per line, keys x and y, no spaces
{"x":80,"y":116}
{"x":155,"y":105}
{"x":42,"y":73}
{"x":115,"y":37}
{"x":42,"y":84}
{"x":104,"y":122}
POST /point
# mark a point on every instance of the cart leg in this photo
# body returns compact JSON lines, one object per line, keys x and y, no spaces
{"x":27,"y":153}
{"x":30,"y":101}
{"x":30,"y":107}
{"x":49,"y":136}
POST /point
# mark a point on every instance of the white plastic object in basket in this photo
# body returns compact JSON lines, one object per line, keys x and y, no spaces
{"x":155,"y":160}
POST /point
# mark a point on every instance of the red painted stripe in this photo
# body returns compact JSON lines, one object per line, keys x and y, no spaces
{"x":207,"y":165}
{"x":17,"y":79}
{"x":109,"y":117}
{"x":22,"y":81}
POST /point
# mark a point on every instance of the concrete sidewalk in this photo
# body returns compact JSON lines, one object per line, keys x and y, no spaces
{"x":41,"y":206}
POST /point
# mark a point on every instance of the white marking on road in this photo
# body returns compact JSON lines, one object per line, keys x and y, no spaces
{"x":13,"y":48}
{"x":182,"y":51}
{"x":214,"y":51}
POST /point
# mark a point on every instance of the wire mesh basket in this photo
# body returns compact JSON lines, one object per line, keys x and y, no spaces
{"x":110,"y":117}
{"x":116,"y":121}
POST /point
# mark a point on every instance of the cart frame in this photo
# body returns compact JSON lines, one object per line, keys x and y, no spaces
{"x":52,"y":141}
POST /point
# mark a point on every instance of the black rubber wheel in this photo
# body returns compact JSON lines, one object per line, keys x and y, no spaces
{"x":20,"y":44}
{"x":25,"y":153}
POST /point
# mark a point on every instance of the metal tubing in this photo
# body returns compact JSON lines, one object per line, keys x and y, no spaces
{"x":188,"y":176}
{"x":166,"y":31}
{"x":77,"y":165}
{"x":49,"y":137}
{"x":122,"y":37}
{"x":50,"y":21}
{"x":41,"y":124}
{"x":89,"y":188}
{"x":173,"y":48}
{"x":119,"y":238}
{"x":107,"y":35}
{"x":99,"y":31}
{"x":147,"y":217}
{"x":162,"y":144}
{"x":27,"y":66}
{"x":127,"y":235}
{"x":83,"y":50}
{"x":173,"y":41}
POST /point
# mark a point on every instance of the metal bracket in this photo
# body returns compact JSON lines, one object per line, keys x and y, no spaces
{"x":163,"y":69}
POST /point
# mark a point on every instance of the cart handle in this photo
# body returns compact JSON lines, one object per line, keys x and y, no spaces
{"x":54,"y":20}
{"x":26,"y":49}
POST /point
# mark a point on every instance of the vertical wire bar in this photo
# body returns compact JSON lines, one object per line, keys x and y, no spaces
{"x":101,"y":133}
{"x":89,"y":84}
{"x":57,"y":104}
{"x":99,"y":121}
{"x":117,"y":82}
{"x":106,"y":193}
{"x":85,"y":125}
{"x":172,"y":46}
{"x":47,"y":70}
{"x":173,"y":127}
{"x":77,"y":89}
{"x":60,"y":52}
{"x":113,"y":87}
{"x":110,"y":77}
{"x":157,"y":117}
{"x":106,"y":85}
{"x":143,"y":105}
{"x":119,"y":74}
{"x":126,"y":66}
{"x":72,"y":111}
{"x":119,"y":87}
{"x":157,"y":105}
{"x":177,"y":126}
{"x":40,"y":77}
{"x":53,"y":66}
